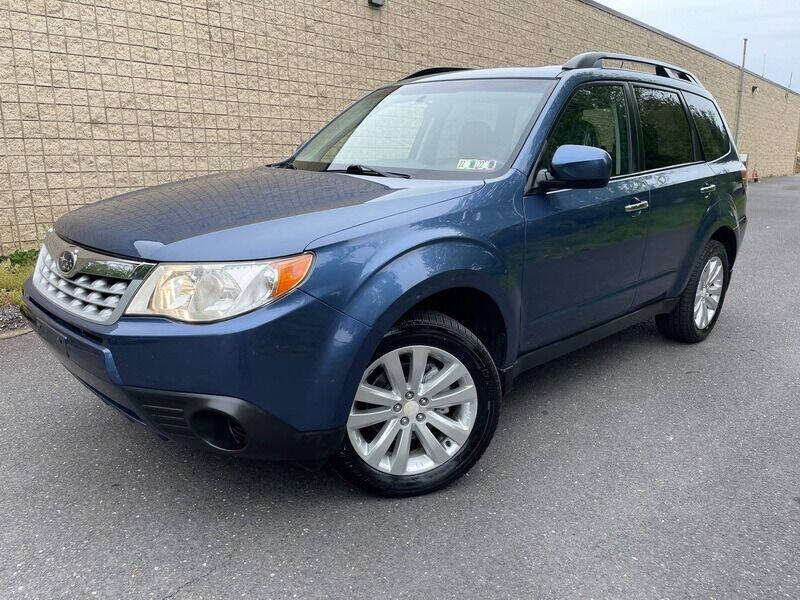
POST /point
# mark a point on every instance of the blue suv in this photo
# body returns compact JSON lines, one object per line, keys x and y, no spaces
{"x":370,"y":299}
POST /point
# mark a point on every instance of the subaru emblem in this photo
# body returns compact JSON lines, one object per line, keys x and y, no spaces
{"x":66,"y":262}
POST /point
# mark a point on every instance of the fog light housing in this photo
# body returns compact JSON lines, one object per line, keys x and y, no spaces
{"x":219,"y":430}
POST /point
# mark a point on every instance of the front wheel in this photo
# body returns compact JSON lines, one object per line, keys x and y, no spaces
{"x":425,"y":410}
{"x":699,"y":306}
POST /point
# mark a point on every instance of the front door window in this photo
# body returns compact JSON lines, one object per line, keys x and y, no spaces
{"x":595,"y":116}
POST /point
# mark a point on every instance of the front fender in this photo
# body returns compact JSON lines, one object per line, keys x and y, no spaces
{"x":406,"y":281}
{"x":387,"y":291}
{"x":394,"y":289}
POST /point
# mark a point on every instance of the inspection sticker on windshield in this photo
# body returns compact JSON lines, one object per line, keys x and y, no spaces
{"x":474,"y":164}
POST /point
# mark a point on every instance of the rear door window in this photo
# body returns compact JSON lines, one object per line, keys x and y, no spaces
{"x":666,"y":136}
{"x":710,"y":127}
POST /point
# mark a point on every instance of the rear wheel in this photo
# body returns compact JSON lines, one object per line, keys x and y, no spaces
{"x":699,"y":306}
{"x":425,"y":410}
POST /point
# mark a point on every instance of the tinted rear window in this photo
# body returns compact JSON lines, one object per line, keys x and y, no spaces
{"x":709,"y":125}
{"x":666,"y":135}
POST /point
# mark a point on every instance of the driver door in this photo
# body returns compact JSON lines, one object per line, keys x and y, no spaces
{"x":584,"y":247}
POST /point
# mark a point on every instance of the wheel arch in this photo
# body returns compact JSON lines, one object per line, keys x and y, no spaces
{"x":719,"y":223}
{"x":465,"y":296}
{"x":474,"y":309}
{"x":433,"y":276}
{"x":726,"y":236}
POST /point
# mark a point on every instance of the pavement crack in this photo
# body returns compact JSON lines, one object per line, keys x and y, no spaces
{"x":205,"y":575}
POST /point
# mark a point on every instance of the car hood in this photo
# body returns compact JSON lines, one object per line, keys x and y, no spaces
{"x":244,"y":215}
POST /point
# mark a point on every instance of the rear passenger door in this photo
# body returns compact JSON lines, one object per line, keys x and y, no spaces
{"x":681,"y":187}
{"x":717,"y":149}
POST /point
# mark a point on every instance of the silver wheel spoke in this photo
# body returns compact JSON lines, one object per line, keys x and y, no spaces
{"x":377,"y":449}
{"x":419,"y":360}
{"x":714,"y":271}
{"x":366,"y":418}
{"x":449,"y":427}
{"x":401,"y":452}
{"x":394,"y":372}
{"x":454,"y":398}
{"x":712,"y":303}
{"x":433,"y":448}
{"x":444,"y":380}
{"x":369,"y":394}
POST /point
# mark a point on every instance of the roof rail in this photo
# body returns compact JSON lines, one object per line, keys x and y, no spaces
{"x":433,"y":71}
{"x":588,"y":60}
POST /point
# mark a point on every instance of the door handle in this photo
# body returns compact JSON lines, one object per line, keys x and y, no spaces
{"x":707,"y":189}
{"x":637,"y":206}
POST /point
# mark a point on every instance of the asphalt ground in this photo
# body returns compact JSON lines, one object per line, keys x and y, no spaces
{"x":634,"y":468}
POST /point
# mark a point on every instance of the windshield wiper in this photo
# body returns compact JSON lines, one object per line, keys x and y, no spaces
{"x":365,"y":170}
{"x":284,"y":164}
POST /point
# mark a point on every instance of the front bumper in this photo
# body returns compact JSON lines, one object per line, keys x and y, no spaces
{"x":285,"y":374}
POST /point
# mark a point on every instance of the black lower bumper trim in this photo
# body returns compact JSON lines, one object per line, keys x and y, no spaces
{"x":267,"y":437}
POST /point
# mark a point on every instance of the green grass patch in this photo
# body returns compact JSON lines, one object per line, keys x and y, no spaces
{"x":14,"y":270}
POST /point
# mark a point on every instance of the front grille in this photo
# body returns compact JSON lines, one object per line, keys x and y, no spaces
{"x":96,"y":288}
{"x":89,"y":296}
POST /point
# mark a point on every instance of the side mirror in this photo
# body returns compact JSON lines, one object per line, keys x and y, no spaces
{"x":576,"y":167}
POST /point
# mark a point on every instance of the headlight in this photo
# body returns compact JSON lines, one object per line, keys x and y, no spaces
{"x":198,"y":292}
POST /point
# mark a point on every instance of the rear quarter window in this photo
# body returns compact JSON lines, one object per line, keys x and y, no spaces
{"x":710,"y":127}
{"x":666,"y":136}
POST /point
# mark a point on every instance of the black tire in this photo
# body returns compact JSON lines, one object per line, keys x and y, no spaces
{"x":680,"y":324}
{"x":440,"y":331}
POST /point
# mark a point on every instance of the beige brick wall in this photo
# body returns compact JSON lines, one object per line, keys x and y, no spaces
{"x":97,"y":98}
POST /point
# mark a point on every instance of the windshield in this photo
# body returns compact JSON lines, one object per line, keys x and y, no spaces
{"x":467,"y":129}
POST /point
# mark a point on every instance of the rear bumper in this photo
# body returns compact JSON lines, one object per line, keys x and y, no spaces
{"x":282,"y":378}
{"x":741,"y":229}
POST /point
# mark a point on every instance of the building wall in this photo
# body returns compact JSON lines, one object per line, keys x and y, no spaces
{"x":797,"y":158}
{"x":101,"y":97}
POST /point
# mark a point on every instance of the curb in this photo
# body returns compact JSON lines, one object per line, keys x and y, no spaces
{"x":15,"y":333}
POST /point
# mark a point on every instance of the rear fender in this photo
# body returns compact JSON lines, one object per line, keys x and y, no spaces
{"x":722,"y":213}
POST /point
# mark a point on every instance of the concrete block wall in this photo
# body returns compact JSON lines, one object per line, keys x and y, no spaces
{"x":100,"y":97}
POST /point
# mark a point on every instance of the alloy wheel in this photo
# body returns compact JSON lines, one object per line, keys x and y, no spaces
{"x":709,"y":292}
{"x":414,"y":410}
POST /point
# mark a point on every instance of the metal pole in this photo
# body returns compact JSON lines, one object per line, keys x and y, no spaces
{"x":739,"y":99}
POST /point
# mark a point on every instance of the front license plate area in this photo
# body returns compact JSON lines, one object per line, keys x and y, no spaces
{"x":54,"y":339}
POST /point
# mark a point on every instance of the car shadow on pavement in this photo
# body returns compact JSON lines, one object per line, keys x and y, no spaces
{"x":538,"y":385}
